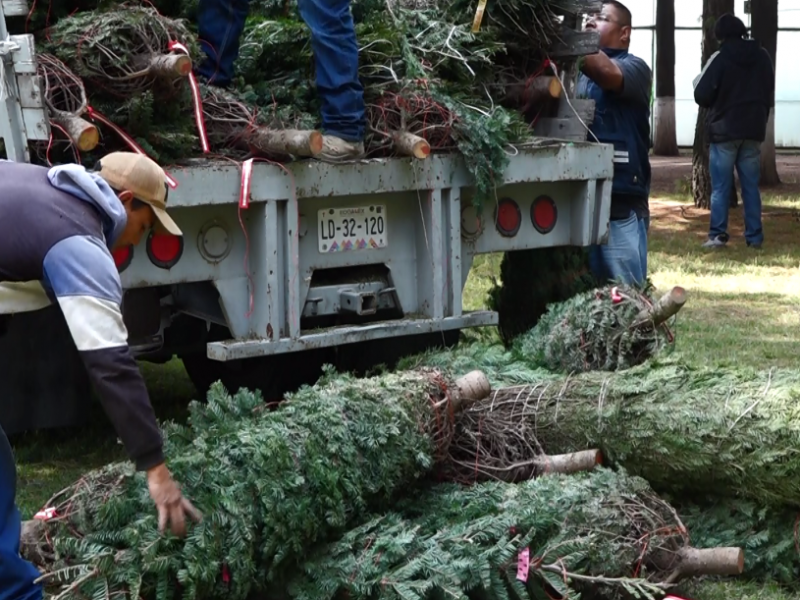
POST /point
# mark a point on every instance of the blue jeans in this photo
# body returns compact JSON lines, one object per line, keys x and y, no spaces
{"x":745,"y":155}
{"x":333,"y":40}
{"x":16,"y":574}
{"x":624,"y":257}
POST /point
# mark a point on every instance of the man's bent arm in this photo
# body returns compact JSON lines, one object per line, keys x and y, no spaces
{"x":629,"y":78}
{"x":603,"y":71}
{"x":82,"y":276}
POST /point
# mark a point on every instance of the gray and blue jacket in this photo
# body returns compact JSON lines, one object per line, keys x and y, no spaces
{"x":56,"y":228}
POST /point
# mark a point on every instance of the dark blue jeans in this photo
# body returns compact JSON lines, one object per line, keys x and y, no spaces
{"x":16,"y":574}
{"x":333,"y":40}
{"x":624,"y":257}
{"x":745,"y":155}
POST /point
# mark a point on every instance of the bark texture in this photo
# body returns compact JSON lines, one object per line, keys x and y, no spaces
{"x":765,"y":29}
{"x":665,"y":139}
{"x":701,"y":177}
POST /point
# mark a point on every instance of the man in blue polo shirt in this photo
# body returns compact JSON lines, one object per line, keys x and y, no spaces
{"x":620,"y":84}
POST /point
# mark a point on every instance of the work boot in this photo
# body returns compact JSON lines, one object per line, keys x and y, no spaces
{"x":715,"y":242}
{"x":335,"y":149}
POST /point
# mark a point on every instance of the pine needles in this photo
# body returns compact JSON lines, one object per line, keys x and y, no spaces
{"x":602,"y":530}
{"x":425,"y":73}
{"x":688,"y":431}
{"x":605,"y":329}
{"x":270,"y":484}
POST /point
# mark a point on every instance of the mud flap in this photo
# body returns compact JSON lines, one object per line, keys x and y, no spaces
{"x":43,"y":383}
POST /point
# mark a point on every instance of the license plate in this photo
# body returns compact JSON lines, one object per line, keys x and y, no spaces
{"x":354,"y":228}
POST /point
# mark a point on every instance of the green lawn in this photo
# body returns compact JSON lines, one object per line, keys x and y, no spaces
{"x":743,"y":308}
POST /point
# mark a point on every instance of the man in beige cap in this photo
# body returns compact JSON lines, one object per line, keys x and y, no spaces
{"x":58,"y":227}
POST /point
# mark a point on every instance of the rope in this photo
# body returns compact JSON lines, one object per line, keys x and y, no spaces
{"x":6,"y":48}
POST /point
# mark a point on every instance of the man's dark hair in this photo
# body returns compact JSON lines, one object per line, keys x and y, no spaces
{"x":627,"y":18}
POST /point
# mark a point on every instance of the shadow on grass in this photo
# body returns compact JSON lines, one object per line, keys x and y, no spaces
{"x":679,"y":229}
{"x":50,"y":460}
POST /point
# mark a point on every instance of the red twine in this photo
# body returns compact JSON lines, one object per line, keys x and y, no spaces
{"x":247,"y":176}
{"x":198,"y":102}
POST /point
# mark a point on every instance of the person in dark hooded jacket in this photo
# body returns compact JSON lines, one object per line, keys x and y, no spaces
{"x":737,"y":86}
{"x":58,"y":227}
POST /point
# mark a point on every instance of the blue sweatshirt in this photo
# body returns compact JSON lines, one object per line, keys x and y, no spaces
{"x":56,"y":229}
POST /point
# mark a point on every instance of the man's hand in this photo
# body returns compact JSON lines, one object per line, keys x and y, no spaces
{"x":169,"y":501}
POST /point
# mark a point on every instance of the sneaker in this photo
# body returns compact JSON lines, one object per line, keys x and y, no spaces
{"x":754,"y":246}
{"x":335,"y":149}
{"x":715,"y":242}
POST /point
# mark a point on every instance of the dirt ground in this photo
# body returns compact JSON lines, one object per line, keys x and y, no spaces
{"x":672,"y":175}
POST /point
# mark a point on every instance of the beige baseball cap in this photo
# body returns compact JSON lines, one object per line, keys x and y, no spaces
{"x":142,"y":177}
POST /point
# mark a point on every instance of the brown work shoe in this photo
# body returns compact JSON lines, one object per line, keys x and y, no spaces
{"x":335,"y":149}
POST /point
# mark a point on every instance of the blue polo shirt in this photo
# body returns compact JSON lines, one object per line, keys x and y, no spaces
{"x":623,"y":119}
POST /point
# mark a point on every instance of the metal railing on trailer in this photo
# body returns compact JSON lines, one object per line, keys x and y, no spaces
{"x":23,"y":115}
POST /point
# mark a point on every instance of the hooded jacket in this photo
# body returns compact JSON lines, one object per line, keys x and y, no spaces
{"x":737,"y":86}
{"x":56,"y":229}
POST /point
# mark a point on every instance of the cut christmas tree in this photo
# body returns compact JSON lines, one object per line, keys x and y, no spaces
{"x":269,"y":483}
{"x":435,"y":78}
{"x":689,"y":431}
{"x":556,"y":536}
{"x":605,"y":329}
{"x":602,"y":328}
{"x":769,"y":535}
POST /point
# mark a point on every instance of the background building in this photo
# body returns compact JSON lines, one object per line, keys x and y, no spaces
{"x":688,"y":36}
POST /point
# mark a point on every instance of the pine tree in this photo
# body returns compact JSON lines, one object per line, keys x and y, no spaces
{"x":603,"y":530}
{"x":725,"y":432}
{"x":270,"y":484}
{"x":604,"y":329}
{"x":532,"y":280}
{"x":768,"y":534}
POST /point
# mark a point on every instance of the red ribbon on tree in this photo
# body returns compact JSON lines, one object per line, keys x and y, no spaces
{"x":198,"y":102}
{"x":247,"y":176}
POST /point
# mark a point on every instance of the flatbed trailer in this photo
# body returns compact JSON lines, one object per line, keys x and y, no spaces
{"x":353,"y":264}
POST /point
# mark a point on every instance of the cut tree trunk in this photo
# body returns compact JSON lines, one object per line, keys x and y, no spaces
{"x":701,"y":177}
{"x":170,"y":66}
{"x":665,"y":139}
{"x":294,"y":142}
{"x":765,"y":30}
{"x":82,"y":133}
{"x":667,"y":306}
{"x":411,"y":145}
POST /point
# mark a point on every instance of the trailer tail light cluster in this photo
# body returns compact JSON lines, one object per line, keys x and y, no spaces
{"x":164,"y":249}
{"x":122,"y":257}
{"x":544,"y":214}
{"x":508,"y":217}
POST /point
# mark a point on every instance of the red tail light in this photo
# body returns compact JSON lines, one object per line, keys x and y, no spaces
{"x":508,"y":217}
{"x":122,"y":257}
{"x":544,"y":214}
{"x":164,"y":249}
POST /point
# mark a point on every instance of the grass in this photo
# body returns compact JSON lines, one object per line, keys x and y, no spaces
{"x":743,"y":308}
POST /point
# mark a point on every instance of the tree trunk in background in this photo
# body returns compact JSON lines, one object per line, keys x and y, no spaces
{"x":701,"y":177}
{"x":665,"y":139}
{"x":764,"y":28}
